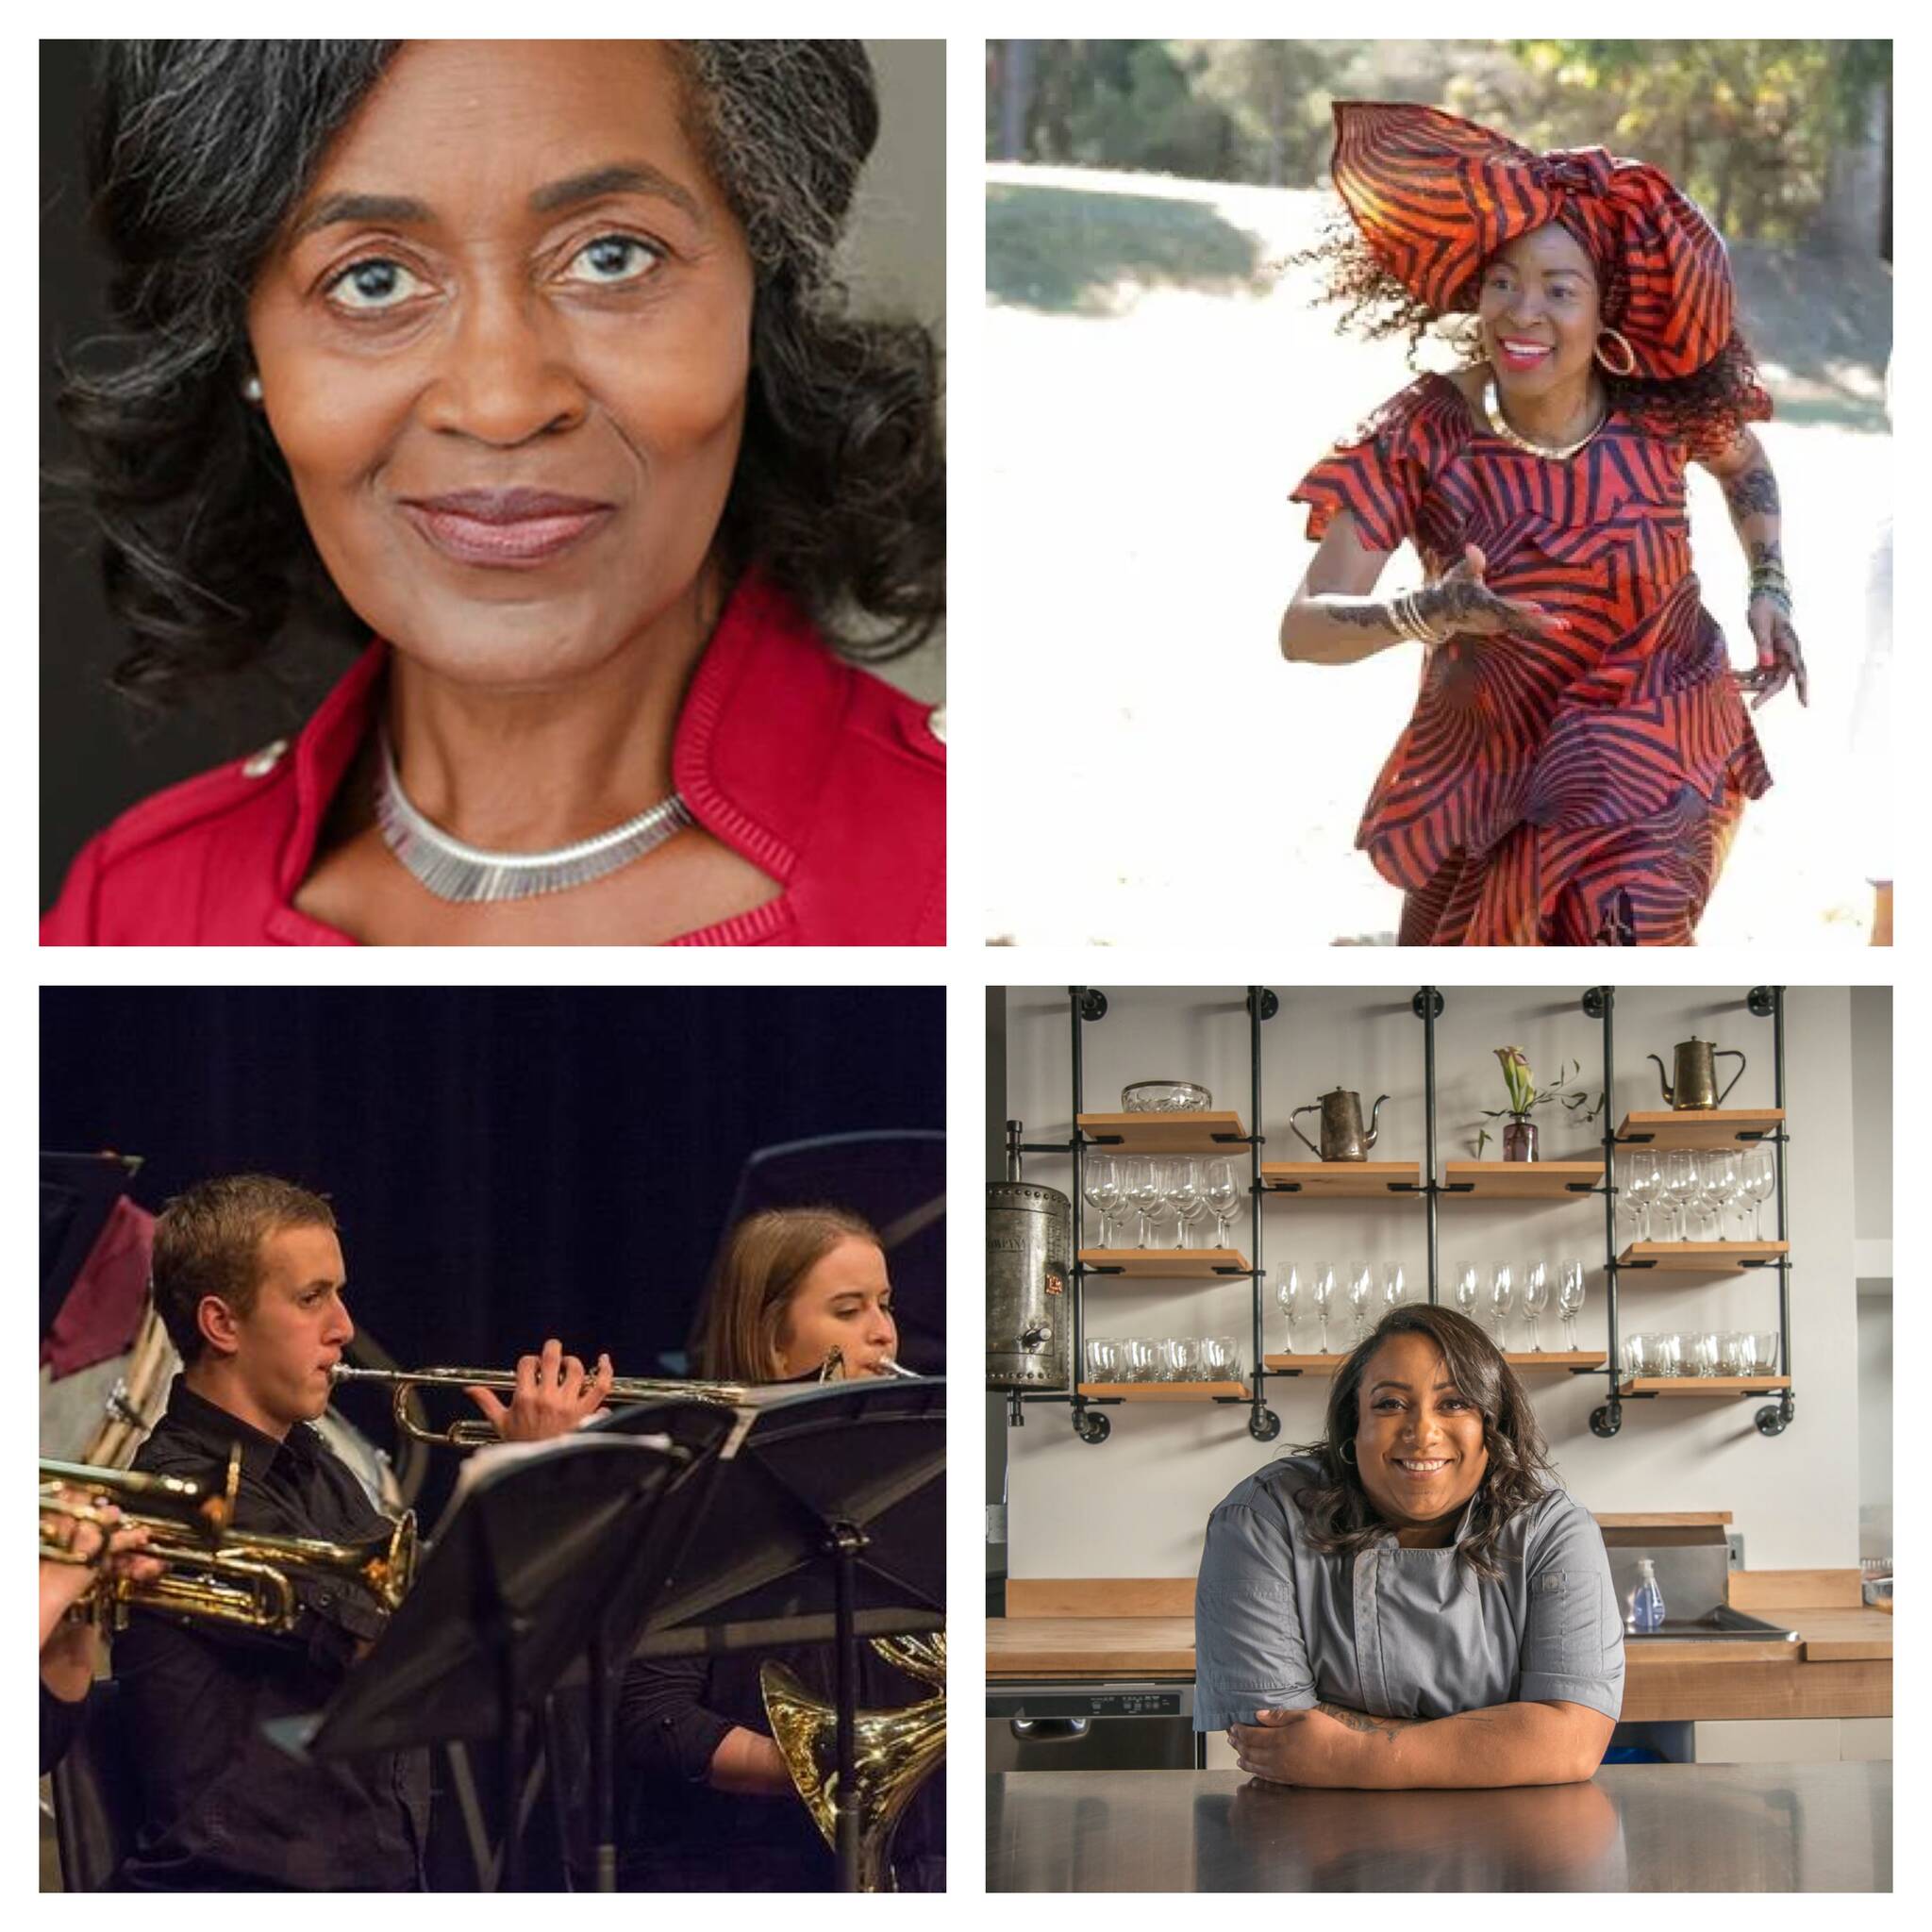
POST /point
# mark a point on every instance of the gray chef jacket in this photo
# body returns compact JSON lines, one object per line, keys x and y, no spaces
{"x":1396,"y":1632}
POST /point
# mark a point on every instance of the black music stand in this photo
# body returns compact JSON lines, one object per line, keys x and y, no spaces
{"x":823,"y":1521}
{"x":520,"y":1579}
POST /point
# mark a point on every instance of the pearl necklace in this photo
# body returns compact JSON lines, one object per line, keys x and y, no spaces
{"x":467,"y":875}
{"x":1493,"y":408}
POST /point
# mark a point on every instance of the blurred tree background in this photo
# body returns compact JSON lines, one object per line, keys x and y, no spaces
{"x":1778,"y":140}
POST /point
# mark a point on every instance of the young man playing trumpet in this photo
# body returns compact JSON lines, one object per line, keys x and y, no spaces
{"x":248,"y":1278}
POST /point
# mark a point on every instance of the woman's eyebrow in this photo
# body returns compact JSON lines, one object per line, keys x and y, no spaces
{"x":617,"y":177}
{"x":1387,"y":1382}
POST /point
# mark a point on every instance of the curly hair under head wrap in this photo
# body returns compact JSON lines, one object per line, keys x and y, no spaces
{"x":1337,"y":1509}
{"x":199,"y":151}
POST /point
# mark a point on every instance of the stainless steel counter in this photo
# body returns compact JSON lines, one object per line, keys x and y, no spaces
{"x":1633,"y":1827}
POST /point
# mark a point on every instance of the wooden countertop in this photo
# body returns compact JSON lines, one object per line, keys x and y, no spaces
{"x":1164,"y":1646}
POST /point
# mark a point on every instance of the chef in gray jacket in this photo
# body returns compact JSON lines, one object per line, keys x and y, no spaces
{"x":1411,"y":1601}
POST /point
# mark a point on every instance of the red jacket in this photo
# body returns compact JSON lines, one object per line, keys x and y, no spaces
{"x":818,"y":772}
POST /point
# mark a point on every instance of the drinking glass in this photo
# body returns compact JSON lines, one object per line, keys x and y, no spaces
{"x":1361,"y":1285}
{"x":1223,"y":1194}
{"x":1667,"y":1355}
{"x":1536,"y":1298}
{"x":1287,"y":1298}
{"x":1643,"y":1182}
{"x":1221,"y":1358}
{"x":1758,"y":1172}
{"x":1764,"y":1352}
{"x":1140,"y":1356}
{"x":1681,"y":1186}
{"x":1710,"y":1351}
{"x":1502,"y":1292}
{"x":1183,"y":1357}
{"x":1325,"y":1294}
{"x":1102,"y":1188}
{"x":1640,"y":1355}
{"x":1468,"y":1288}
{"x":1103,"y":1358}
{"x":1181,"y":1184}
{"x":1395,"y":1285}
{"x":1141,"y":1185}
{"x":1738,"y":1356}
{"x":1570,"y":1297}
{"x":1233,"y":1361}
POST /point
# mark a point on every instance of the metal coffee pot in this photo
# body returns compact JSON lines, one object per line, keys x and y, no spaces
{"x":1696,"y":1083}
{"x":1342,"y":1138}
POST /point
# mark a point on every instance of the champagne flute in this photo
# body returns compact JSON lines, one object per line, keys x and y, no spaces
{"x":1223,"y":1194}
{"x":1361,"y":1285}
{"x":1536,"y":1297}
{"x":1288,"y":1293}
{"x":1395,"y":1285}
{"x":1502,"y":1292}
{"x":1101,"y":1185}
{"x":1570,"y":1297}
{"x":1468,"y":1288}
{"x":1140,"y":1184}
{"x":1325,"y":1294}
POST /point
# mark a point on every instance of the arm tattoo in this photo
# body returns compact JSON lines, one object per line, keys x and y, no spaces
{"x":1363,"y":616}
{"x":1754,"y":494}
{"x":1360,"y":1720}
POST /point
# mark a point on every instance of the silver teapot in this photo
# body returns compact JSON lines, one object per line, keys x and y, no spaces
{"x":1696,"y":1068}
{"x":1343,"y":1134}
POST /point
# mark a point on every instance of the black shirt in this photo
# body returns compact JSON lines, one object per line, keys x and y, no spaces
{"x":222,"y":1808}
{"x":681,"y":1835}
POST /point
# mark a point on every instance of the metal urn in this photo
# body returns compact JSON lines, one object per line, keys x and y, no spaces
{"x":1695,"y":1087}
{"x":1028,"y":1309}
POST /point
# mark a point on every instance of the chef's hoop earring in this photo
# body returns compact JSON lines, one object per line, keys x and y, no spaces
{"x":1348,"y":1454}
{"x":1623,"y":342}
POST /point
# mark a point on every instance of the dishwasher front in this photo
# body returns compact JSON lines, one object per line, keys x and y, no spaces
{"x":1143,"y":1724}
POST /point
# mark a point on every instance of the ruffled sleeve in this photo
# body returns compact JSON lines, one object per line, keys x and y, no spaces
{"x":1381,"y":472}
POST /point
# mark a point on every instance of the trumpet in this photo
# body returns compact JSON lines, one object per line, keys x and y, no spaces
{"x":214,"y":1571}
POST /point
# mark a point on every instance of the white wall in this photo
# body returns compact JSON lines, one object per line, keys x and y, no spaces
{"x":1136,"y":1505}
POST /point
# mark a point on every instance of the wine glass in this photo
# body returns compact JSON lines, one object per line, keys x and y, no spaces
{"x":1223,"y":1194}
{"x":1643,"y":1182}
{"x":1323,"y":1288}
{"x":1681,"y":1185}
{"x":1182,"y":1186}
{"x":1570,"y":1297}
{"x":1287,"y":1297}
{"x":1468,"y":1288}
{"x":1758,"y":1172}
{"x":1536,"y":1298}
{"x":1361,"y":1285}
{"x":1395,"y":1285}
{"x":1716,"y":1185}
{"x":1101,"y":1185}
{"x":1502,"y":1292}
{"x":1141,"y":1185}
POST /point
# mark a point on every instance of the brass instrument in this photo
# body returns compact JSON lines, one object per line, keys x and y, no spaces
{"x":895,"y":1752}
{"x":214,"y":1571}
{"x":471,"y":1432}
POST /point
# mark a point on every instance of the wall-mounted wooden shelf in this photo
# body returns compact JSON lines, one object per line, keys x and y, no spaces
{"x":1170,"y":1264}
{"x":1703,"y":1385}
{"x":1167,"y":1133}
{"x":1701,"y":1258}
{"x":1718,"y":1127}
{"x":1354,"y":1180}
{"x":1562,"y":1359}
{"x":1165,"y":1391}
{"x":1523,"y":1180}
{"x":1303,"y":1364}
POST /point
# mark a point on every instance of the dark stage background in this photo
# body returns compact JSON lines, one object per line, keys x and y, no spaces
{"x":506,"y":1163}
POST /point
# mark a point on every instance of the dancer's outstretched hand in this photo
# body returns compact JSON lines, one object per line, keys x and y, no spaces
{"x":1459,"y":600}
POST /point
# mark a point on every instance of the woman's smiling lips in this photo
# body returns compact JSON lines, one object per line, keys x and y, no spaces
{"x":1520,"y":353}
{"x":1419,"y":1468}
{"x":505,"y":529}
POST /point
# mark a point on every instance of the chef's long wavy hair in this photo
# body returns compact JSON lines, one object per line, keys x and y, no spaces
{"x":1337,"y":1511}
{"x":198,"y":152}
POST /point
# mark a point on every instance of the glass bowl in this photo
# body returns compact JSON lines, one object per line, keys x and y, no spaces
{"x":1165,"y":1096}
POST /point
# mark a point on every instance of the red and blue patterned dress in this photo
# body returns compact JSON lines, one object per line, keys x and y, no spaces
{"x":1580,"y":792}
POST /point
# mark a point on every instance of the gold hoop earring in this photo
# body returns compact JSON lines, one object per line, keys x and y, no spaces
{"x":1629,"y":367}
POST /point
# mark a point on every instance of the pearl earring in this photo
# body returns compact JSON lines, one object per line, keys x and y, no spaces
{"x":252,"y":389}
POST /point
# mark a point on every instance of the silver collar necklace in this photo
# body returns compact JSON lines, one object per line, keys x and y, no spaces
{"x":466,"y":876}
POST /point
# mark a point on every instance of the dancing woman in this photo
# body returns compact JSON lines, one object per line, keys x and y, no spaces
{"x":1579,"y":755}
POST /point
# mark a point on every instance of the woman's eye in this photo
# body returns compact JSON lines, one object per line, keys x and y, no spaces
{"x":373,"y":281}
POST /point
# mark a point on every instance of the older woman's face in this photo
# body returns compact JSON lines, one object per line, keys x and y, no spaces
{"x":1539,"y":311}
{"x":525,"y":326}
{"x":1418,"y":1439}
